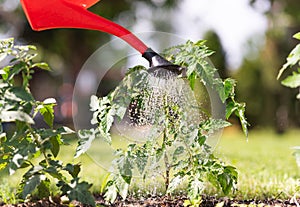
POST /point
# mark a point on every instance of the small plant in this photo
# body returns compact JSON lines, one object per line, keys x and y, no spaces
{"x":6,"y":194}
{"x":26,"y":147}
{"x":181,"y":154}
{"x":293,"y":80}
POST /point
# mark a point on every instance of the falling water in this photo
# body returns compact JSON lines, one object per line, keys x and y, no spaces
{"x":163,"y":90}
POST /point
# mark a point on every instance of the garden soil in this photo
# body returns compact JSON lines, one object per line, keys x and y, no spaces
{"x":164,"y":201}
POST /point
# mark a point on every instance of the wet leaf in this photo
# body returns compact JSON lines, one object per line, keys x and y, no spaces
{"x":12,"y":116}
{"x":178,"y":151}
{"x":175,"y":182}
{"x":111,"y":192}
{"x":43,"y":66}
{"x":80,"y":192}
{"x":141,"y":160}
{"x":31,"y":184}
{"x":292,"y":60}
{"x":297,"y":36}
{"x":44,"y":189}
{"x":55,"y":145}
{"x":47,"y":111}
{"x":292,"y":81}
{"x":73,"y":169}
{"x":86,"y":137}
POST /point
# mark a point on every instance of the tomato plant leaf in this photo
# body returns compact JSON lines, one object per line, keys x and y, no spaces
{"x":12,"y":116}
{"x":73,"y":170}
{"x":297,"y":36}
{"x":86,"y":137}
{"x":47,"y":111}
{"x":111,"y":192}
{"x":78,"y":191}
{"x":175,"y":182}
{"x":43,"y":66}
{"x":44,"y":188}
{"x":292,"y":59}
{"x":55,"y":145}
{"x":292,"y":81}
{"x":141,"y":159}
{"x":31,"y":184}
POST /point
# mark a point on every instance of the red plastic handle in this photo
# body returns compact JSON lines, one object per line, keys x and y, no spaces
{"x":51,"y":14}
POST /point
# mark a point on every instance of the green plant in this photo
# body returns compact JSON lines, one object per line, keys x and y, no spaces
{"x":292,"y":81}
{"x":181,"y":154}
{"x":28,"y":147}
{"x":6,"y":194}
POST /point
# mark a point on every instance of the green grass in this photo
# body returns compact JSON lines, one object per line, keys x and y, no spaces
{"x":266,"y":166}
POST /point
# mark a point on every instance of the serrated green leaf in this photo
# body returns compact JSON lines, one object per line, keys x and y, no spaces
{"x":16,"y":69}
{"x":31,"y":184}
{"x":55,"y":145}
{"x":195,"y":187}
{"x":178,"y":151}
{"x":241,"y":114}
{"x":22,"y":94}
{"x":227,"y":179}
{"x":15,"y":163}
{"x":292,"y":60}
{"x":122,"y":187}
{"x":229,"y":85}
{"x":292,"y":81}
{"x":43,"y":66}
{"x":175,"y":182}
{"x":141,"y":160}
{"x":44,"y":189}
{"x":111,"y":192}
{"x":86,"y":137}
{"x":126,"y":173}
{"x":94,"y":103}
{"x":212,"y":125}
{"x":5,"y":72}
{"x":73,"y":170}
{"x":80,"y":192}
{"x":2,"y":57}
{"x":230,"y":108}
{"x":50,"y":101}
{"x":297,"y":36}
{"x":12,"y":116}
{"x":47,"y":111}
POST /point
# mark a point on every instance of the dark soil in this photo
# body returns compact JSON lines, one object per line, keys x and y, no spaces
{"x":164,"y":201}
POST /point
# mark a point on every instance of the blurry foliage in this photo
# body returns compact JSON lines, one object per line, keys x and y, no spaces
{"x":26,"y":147}
{"x":65,"y":42}
{"x":257,"y":77}
{"x":219,"y":57}
{"x":268,"y":102}
{"x":293,"y":60}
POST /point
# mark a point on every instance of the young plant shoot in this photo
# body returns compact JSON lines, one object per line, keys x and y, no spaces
{"x":176,"y":111}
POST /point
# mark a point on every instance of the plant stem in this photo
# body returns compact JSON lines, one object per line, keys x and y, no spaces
{"x":166,"y":160}
{"x":36,"y":139}
{"x":167,"y":178}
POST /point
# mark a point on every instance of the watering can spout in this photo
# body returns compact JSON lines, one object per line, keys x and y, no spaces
{"x":52,"y":14}
{"x":157,"y":61}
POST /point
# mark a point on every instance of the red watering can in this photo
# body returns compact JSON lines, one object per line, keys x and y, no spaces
{"x":50,"y":14}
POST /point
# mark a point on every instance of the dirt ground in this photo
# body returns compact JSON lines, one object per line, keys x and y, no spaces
{"x":165,"y":201}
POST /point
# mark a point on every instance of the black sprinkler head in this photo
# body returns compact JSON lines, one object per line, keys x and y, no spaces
{"x":158,"y":63}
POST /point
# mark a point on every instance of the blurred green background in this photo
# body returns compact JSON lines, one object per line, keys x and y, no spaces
{"x":254,"y":64}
